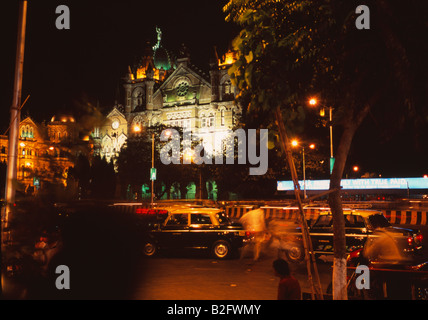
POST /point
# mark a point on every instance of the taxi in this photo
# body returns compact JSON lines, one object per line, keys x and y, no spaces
{"x":368,"y":229}
{"x":196,"y":228}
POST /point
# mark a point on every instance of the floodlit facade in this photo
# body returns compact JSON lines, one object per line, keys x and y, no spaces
{"x":45,"y":151}
{"x":168,"y":90}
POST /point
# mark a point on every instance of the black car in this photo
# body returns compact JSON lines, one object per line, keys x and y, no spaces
{"x":366,"y":229}
{"x":195,"y":228}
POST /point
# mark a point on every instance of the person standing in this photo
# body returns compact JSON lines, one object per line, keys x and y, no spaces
{"x":288,"y":287}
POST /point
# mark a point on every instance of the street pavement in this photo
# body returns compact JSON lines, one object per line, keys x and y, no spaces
{"x":108,"y":272}
{"x":194,"y":277}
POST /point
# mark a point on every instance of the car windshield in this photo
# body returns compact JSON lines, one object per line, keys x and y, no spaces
{"x":323,"y":221}
{"x":378,"y":221}
{"x":354,"y":221}
{"x":222,"y":218}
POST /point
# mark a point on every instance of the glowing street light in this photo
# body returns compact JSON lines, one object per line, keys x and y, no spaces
{"x":294,"y":143}
{"x":188,"y":155}
{"x":137,"y":128}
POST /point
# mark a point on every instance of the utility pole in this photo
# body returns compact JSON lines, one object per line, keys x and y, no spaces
{"x":15,"y":118}
{"x":306,"y":239}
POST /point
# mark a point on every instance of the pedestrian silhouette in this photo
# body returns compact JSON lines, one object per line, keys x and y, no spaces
{"x":288,"y":287}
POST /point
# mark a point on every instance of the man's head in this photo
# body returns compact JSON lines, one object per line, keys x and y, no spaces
{"x":281,"y":267}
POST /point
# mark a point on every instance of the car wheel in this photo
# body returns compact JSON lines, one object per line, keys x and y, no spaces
{"x":221,"y":249}
{"x":295,"y":254}
{"x":149,"y":249}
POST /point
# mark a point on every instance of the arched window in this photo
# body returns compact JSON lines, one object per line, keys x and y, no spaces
{"x":227,"y":87}
{"x":24,"y":132}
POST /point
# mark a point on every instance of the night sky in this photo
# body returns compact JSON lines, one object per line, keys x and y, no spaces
{"x":86,"y":63}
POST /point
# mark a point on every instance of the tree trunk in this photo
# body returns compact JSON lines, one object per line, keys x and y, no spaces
{"x":335,"y":203}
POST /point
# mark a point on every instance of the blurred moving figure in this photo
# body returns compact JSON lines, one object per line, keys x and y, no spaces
{"x":254,"y":222}
{"x":49,"y":244}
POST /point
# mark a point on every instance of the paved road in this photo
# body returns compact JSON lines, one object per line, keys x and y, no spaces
{"x":195,"y":277}
{"x":110,"y":271}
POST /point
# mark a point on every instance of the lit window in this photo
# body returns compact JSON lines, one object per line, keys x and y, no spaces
{"x":227,"y":87}
{"x":210,"y":122}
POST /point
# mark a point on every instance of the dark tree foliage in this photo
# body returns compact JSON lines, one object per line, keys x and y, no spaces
{"x":290,"y":50}
{"x":103,"y":179}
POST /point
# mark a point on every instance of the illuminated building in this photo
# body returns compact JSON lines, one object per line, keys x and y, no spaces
{"x":173,"y":92}
{"x":169,"y":90}
{"x":45,"y":151}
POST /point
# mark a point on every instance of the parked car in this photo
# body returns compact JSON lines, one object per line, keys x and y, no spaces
{"x":367,"y":229}
{"x":195,"y":228}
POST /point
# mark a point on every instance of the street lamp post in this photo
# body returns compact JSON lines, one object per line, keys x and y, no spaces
{"x":190,"y":155}
{"x":331,"y":138}
{"x":295,"y":143}
{"x":313,"y":102}
{"x":11,"y":174}
{"x":304,"y":174}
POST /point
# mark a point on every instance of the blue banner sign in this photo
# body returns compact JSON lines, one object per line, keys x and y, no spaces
{"x":359,"y":184}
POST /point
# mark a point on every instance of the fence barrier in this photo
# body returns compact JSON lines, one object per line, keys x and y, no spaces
{"x":408,"y":217}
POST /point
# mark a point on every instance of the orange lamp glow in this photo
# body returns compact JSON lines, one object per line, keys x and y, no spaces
{"x":137,"y":128}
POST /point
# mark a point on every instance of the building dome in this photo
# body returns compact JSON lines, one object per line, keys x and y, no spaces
{"x":161,"y":59}
{"x":64,"y":118}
